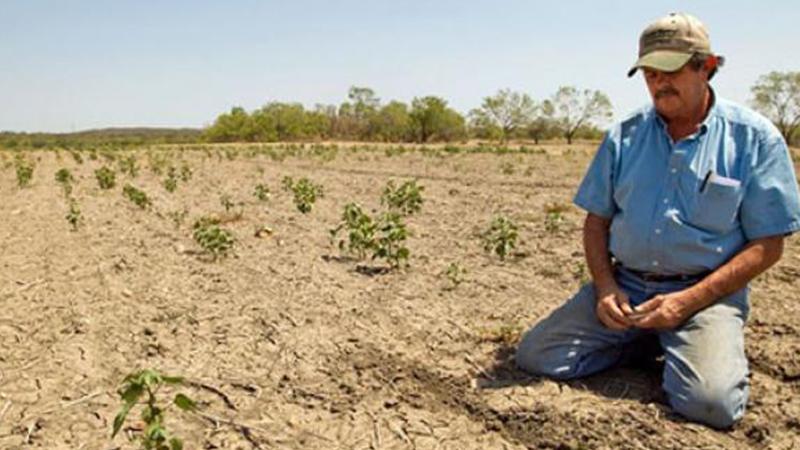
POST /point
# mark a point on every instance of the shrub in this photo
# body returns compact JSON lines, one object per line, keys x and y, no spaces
{"x":212,"y":238}
{"x":128,"y":165}
{"x":501,"y":237}
{"x":106,"y":177}
{"x":24,"y":172}
{"x":383,"y":238}
{"x":65,"y":179}
{"x":305,"y":193}
{"x":405,"y":199}
{"x":139,"y":198}
{"x":171,"y":181}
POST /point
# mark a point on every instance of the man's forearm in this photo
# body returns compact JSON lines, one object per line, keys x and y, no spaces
{"x":754,"y":259}
{"x":595,"y":246}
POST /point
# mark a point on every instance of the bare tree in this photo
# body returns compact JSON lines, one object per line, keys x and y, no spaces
{"x":777,"y":96}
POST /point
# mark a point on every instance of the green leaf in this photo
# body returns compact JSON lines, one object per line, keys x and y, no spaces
{"x":120,"y":418}
{"x":132,"y":393}
{"x":185,"y":403}
{"x":175,"y":444}
{"x":172,"y":380}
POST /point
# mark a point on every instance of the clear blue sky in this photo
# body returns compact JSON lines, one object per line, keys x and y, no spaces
{"x":72,"y":65}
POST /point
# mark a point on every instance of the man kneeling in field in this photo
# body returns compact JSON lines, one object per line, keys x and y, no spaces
{"x":688,"y":200}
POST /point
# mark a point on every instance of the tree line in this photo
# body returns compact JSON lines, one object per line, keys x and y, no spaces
{"x":569,"y":113}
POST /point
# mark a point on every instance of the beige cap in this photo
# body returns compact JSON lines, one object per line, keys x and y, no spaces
{"x":669,"y":42}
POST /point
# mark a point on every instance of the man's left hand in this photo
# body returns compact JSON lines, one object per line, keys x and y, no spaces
{"x":663,"y":312}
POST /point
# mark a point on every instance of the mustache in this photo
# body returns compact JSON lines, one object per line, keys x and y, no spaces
{"x":665,"y":91}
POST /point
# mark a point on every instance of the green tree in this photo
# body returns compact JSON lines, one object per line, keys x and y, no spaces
{"x":230,"y":127}
{"x":431,"y":119}
{"x":278,"y":121}
{"x":507,"y":110}
{"x":777,"y":96}
{"x":392,"y":123}
{"x":574,"y":108}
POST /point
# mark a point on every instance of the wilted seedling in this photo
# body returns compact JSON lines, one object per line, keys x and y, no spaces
{"x":501,"y":237}
{"x":138,"y":197}
{"x":147,"y":383}
{"x":74,"y":215}
{"x":554,"y":216}
{"x":106,"y":178}
{"x":405,"y":199}
{"x":261,"y":192}
{"x":65,"y":179}
{"x":213,"y":239}
{"x":305,"y":192}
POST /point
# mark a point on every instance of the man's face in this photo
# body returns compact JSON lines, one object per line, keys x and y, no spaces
{"x":677,"y":94}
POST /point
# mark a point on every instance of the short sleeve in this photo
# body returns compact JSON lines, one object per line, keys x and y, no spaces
{"x":771,"y":204}
{"x":596,"y":192}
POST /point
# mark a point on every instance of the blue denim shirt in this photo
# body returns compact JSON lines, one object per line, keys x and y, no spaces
{"x":687,"y":207}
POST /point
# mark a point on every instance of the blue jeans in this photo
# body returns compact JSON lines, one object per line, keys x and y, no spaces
{"x":705,"y":371}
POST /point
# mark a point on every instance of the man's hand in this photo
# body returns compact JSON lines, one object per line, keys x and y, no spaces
{"x":663,"y":312}
{"x":613,"y":308}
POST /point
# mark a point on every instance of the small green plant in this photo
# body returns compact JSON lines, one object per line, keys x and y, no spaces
{"x":178,"y":217}
{"x":171,"y":181}
{"x":305,"y":192}
{"x":65,"y":179}
{"x":383,"y":238}
{"x":507,"y":168}
{"x":138,"y":197}
{"x":360,"y":231}
{"x":186,"y":173}
{"x":261,"y":192}
{"x":74,"y":215}
{"x":106,"y":178}
{"x":455,"y":274}
{"x":147,"y":383}
{"x":76,"y":156}
{"x":226,"y":202}
{"x":213,"y":239}
{"x":501,"y":237}
{"x":24,"y":172}
{"x":405,"y":199}
{"x":554,"y":216}
{"x":129,"y":165}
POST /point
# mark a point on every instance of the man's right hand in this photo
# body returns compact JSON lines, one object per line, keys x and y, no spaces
{"x":613,"y":307}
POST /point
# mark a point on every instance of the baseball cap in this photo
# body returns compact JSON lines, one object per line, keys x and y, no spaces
{"x":669,"y":42}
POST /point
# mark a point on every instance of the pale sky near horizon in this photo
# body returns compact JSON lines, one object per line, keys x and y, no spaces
{"x":73,"y":65}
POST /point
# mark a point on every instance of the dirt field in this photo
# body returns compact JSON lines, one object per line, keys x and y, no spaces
{"x":290,"y":345}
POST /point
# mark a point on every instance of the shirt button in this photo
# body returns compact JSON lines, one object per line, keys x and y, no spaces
{"x":655,"y":263}
{"x":666,"y":200}
{"x":674,"y":170}
{"x":658,"y":230}
{"x":719,"y":249}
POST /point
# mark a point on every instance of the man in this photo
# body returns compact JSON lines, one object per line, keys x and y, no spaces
{"x":687,"y":201}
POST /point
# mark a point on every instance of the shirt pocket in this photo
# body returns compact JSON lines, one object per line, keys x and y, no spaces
{"x":716,"y":208}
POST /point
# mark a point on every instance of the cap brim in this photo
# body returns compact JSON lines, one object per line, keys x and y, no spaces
{"x":663,"y":60}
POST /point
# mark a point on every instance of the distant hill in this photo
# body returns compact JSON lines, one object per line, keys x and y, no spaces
{"x":104,"y":136}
